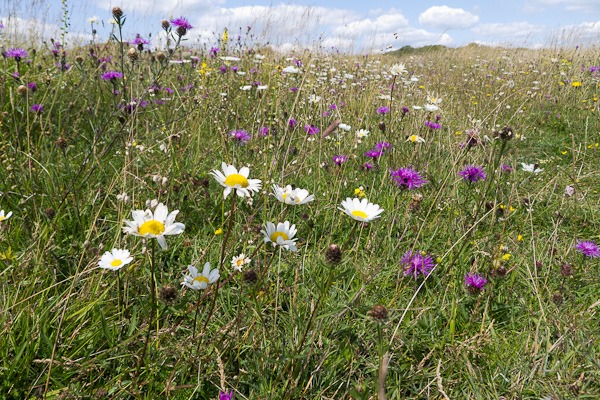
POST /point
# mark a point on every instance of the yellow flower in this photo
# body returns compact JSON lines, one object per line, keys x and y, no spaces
{"x":219,"y":231}
{"x":576,"y":84}
{"x":359,"y":192}
{"x":506,"y":256}
{"x":520,"y":238}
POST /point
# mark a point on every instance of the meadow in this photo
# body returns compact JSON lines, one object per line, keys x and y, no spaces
{"x":234,"y":222}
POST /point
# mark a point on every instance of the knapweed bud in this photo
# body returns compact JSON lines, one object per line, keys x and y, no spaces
{"x":250,"y":276}
{"x":117,"y":13}
{"x":22,"y":90}
{"x":167,"y":294}
{"x":165,"y":24}
{"x":381,"y":126}
{"x":379,"y":313}
{"x":160,"y":56}
{"x":505,"y":134}
{"x":333,"y":254}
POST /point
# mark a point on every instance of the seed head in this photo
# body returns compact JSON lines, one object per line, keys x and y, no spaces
{"x":379,"y":313}
{"x":250,"y":276}
{"x":132,"y":54}
{"x":168,"y":294}
{"x":117,"y":13}
{"x":165,"y":24}
{"x":22,"y":90}
{"x":160,"y":56}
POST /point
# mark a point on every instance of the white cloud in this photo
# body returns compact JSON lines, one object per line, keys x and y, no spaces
{"x":444,"y":17}
{"x":169,"y":8}
{"x":513,"y":29}
{"x":588,"y":6}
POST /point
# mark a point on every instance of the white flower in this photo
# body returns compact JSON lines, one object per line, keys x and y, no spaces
{"x":531,"y":168}
{"x":197,"y":281}
{"x":398,"y":69}
{"x":229,"y":58}
{"x":415,"y":139}
{"x":3,"y":216}
{"x":288,"y":195}
{"x":231,"y":179}
{"x":259,"y":56}
{"x":154,"y":225}
{"x":123,"y":197}
{"x":362,"y":133}
{"x":314,"y":98}
{"x":344,"y":127}
{"x":360,"y":210}
{"x":246,"y":87}
{"x":93,"y":20}
{"x":115,"y":259}
{"x":280,"y":235}
{"x":431,"y":107}
{"x":262,"y":87}
{"x":291,"y":70}
{"x":433,"y":99}
{"x":238,"y":262}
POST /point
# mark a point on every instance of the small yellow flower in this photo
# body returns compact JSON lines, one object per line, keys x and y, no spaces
{"x":576,"y":84}
{"x":564,"y":152}
{"x":506,"y":256}
{"x":359,"y":192}
{"x":520,"y":238}
{"x":219,"y":231}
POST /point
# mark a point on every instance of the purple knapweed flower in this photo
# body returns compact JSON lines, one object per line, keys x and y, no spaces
{"x":263,"y":131}
{"x":311,"y":129}
{"x":383,"y":146}
{"x":432,"y":125}
{"x":182,"y":24}
{"x":383,"y":110}
{"x":417,"y":262}
{"x":506,"y":168}
{"x":139,"y":41}
{"x":292,"y":122}
{"x":293,"y":89}
{"x":373,"y":153}
{"x":235,"y":68}
{"x":32,"y":86}
{"x":339,"y":159}
{"x":407,"y":178}
{"x":367,"y":166}
{"x":240,"y":136}
{"x":37,"y":108}
{"x":225,"y":395}
{"x":112,"y":75}
{"x":473,"y":173}
{"x":405,"y":110}
{"x":223,"y":69}
{"x":333,"y":107}
{"x":588,"y":248}
{"x":475,"y":283}
{"x":17,"y":53}
{"x":298,"y":63}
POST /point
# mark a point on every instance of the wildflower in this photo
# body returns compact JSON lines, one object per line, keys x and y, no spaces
{"x":182,"y":25}
{"x":240,"y":136}
{"x":238,"y":262}
{"x":263,"y":131}
{"x":225,"y":395}
{"x":576,"y":84}
{"x":197,"y":281}
{"x":295,"y":196}
{"x":373,"y":153}
{"x":398,"y":69}
{"x":218,"y":231}
{"x":112,"y":75}
{"x":432,"y":125}
{"x":405,"y":110}
{"x":415,"y":139}
{"x":588,"y":248}
{"x":360,"y":210}
{"x":290,"y":70}
{"x":417,"y":262}
{"x":17,"y":53}
{"x":359,"y":192}
{"x":231,"y":179}
{"x":475,"y":283}
{"x":4,"y":216}
{"x":383,"y":110}
{"x":314,"y":98}
{"x":115,"y":259}
{"x":339,"y":159}
{"x":333,"y":254}
{"x":154,"y":225}
{"x":531,"y":168}
{"x":362,"y":133}
{"x":367,"y":166}
{"x":292,"y":122}
{"x":93,"y":20}
{"x":431,"y":107}
{"x":473,"y":173}
{"x":407,"y":178}
{"x":311,"y":129}
{"x":139,"y":41}
{"x":383,"y":146}
{"x":506,"y":168}
{"x":280,"y":235}
{"x":37,"y":108}
{"x":344,"y":127}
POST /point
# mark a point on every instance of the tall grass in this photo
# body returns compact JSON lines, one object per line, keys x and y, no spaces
{"x":307,"y":324}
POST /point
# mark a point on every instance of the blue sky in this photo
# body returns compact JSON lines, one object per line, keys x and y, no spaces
{"x":354,"y":25}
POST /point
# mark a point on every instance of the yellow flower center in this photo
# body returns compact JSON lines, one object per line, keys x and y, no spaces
{"x":2,"y":217}
{"x":359,"y":214}
{"x":201,"y":278}
{"x":116,"y":263}
{"x":239,"y":262}
{"x":284,"y":196}
{"x":278,"y":234}
{"x":234,"y":180}
{"x":152,"y":227}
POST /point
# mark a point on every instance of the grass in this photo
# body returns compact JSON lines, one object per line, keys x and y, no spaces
{"x":297,"y":324}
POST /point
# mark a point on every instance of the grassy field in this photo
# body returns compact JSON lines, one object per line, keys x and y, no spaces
{"x":478,"y":280}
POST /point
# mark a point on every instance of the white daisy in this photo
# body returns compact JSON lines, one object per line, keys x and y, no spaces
{"x":281,"y":235}
{"x":197,"y":281}
{"x":361,"y":210}
{"x":3,"y":216}
{"x":531,"y":168}
{"x":362,"y":133}
{"x":231,"y":179}
{"x":398,"y":69}
{"x":290,"y":70}
{"x":415,"y":139}
{"x":288,"y":195}
{"x":115,"y":259}
{"x":154,"y":225}
{"x":238,"y":262}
